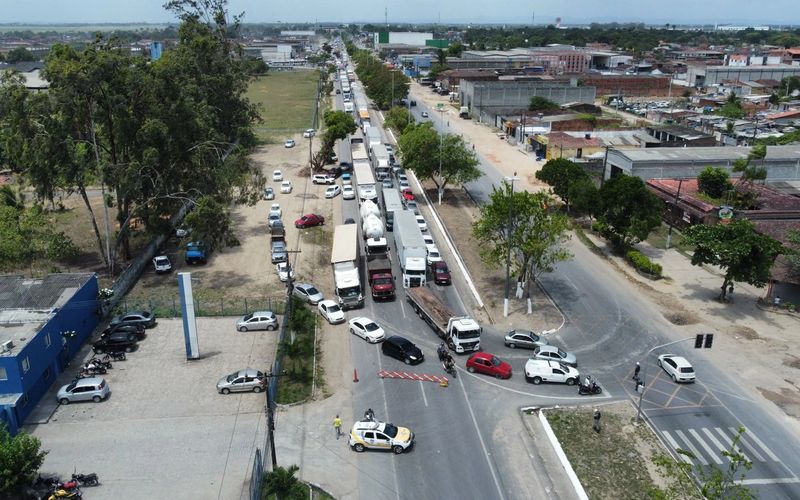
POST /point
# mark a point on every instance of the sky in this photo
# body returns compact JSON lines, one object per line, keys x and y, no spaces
{"x":776,"y":12}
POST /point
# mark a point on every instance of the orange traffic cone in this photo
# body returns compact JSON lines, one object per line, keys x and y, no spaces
{"x":355,"y":375}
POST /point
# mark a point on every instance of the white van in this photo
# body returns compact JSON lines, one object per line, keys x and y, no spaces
{"x":544,"y":370}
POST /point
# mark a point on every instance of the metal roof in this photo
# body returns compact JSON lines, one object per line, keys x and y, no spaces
{"x":20,"y":292}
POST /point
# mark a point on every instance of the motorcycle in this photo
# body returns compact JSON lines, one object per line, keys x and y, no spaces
{"x":90,"y":370}
{"x":590,"y":389}
{"x":90,"y":479}
{"x":116,"y":356}
{"x":65,"y":490}
{"x":442,"y":352}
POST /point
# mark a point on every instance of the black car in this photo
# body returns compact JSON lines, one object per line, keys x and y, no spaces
{"x":114,"y":343}
{"x":144,"y":318}
{"x":402,"y":349}
{"x":135,"y":332}
{"x":349,"y":220}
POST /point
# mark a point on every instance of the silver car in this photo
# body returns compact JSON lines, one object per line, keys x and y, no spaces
{"x":242,"y":381}
{"x":84,"y":389}
{"x":308,"y":293}
{"x":259,"y":320}
{"x":525,"y":339}
{"x":553,"y":353}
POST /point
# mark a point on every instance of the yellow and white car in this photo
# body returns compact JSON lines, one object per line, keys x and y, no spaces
{"x":380,"y":436}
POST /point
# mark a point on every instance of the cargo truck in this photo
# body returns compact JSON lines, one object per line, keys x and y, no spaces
{"x":381,"y":281}
{"x":373,"y":136}
{"x":365,"y":182}
{"x":460,"y":333}
{"x":345,"y":262}
{"x":391,"y":204}
{"x":411,"y":250}
{"x":381,"y":161}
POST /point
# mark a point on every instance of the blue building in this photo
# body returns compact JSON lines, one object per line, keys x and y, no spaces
{"x":43,"y":323}
{"x":156,"y":48}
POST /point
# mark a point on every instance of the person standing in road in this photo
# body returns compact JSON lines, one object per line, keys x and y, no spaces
{"x":776,"y":302}
{"x":337,"y":424}
{"x":636,"y":371}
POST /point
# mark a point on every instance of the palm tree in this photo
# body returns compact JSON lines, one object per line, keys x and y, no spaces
{"x":282,"y":483}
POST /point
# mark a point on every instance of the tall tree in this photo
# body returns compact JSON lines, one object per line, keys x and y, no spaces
{"x":397,"y":118}
{"x":20,"y":459}
{"x":522,"y":223}
{"x":744,"y":254}
{"x":338,"y":125}
{"x":560,"y":174}
{"x":714,"y":181}
{"x":629,"y":209}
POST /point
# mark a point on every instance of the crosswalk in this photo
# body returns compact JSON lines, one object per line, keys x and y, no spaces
{"x":707,"y":445}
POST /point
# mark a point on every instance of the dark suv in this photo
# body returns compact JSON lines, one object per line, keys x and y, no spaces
{"x":402,"y":349}
{"x":114,"y":342}
{"x":135,"y":332}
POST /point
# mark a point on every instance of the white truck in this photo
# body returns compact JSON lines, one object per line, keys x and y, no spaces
{"x":391,"y":205}
{"x":348,"y":107}
{"x":380,"y":159}
{"x":373,"y":138}
{"x":411,"y":250}
{"x":345,"y":261}
{"x":365,"y":181}
{"x":460,"y":333}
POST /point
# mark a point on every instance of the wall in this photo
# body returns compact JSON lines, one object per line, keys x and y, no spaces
{"x":479,"y":95}
{"x":630,"y":86}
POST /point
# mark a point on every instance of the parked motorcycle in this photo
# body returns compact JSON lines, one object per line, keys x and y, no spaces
{"x":69,"y":489}
{"x":86,"y":371}
{"x":116,"y":356}
{"x":99,"y":362}
{"x":90,"y":479}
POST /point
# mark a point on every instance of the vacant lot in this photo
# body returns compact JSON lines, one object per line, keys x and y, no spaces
{"x":287,"y":101}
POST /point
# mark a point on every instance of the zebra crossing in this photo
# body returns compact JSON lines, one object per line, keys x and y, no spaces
{"x":708,"y":443}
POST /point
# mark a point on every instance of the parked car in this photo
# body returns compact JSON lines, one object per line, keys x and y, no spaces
{"x":307,"y":292}
{"x":242,"y":381}
{"x":323,"y":179}
{"x":331,"y":311}
{"x":412,"y":206}
{"x":269,"y":193}
{"x":333,"y":191}
{"x":525,"y":339}
{"x":275,"y":208}
{"x":347,"y":179}
{"x":348,"y":193}
{"x":367,"y":330}
{"x":258,"y":320}
{"x":387,"y":183}
{"x":277,"y":176}
{"x":380,"y":436}
{"x":289,"y":143}
{"x":84,"y":389}
{"x":284,"y":270}
{"x":131,"y":332}
{"x":389,"y":148}
{"x":441,"y":273}
{"x":677,"y":367}
{"x":489,"y":364}
{"x":309,"y":220}
{"x":310,"y":132}
{"x":403,"y":349}
{"x":145,"y":318}
{"x":423,"y":226}
{"x":553,"y":353}
{"x":542,"y":370}
{"x":428,"y":239}
{"x":161,"y":264}
{"x":114,"y":343}
{"x":286,"y":187}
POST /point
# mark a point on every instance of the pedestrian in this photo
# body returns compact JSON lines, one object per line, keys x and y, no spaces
{"x":636,"y":371}
{"x":730,"y":293}
{"x":473,"y":147}
{"x":776,"y":302}
{"x":337,"y":424}
{"x":596,"y":417}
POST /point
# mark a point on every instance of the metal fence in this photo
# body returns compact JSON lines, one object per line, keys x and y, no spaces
{"x":226,"y":306}
{"x":256,"y":476}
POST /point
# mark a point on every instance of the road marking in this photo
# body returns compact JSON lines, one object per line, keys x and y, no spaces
{"x":714,"y":455}
{"x":386,"y":412}
{"x":714,"y":440}
{"x":729,"y":441}
{"x":747,"y":444}
{"x":764,"y":447}
{"x":777,"y":480}
{"x":480,"y":438}
{"x":422,"y":389}
{"x":675,"y":446}
{"x":691,"y":447}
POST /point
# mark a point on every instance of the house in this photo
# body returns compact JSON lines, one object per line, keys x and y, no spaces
{"x":43,"y":323}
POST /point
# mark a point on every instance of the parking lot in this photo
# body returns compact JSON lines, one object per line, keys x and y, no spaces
{"x":164,"y":432}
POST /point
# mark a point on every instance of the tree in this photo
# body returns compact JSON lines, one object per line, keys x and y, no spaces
{"x":584,"y":195}
{"x":629,"y":210}
{"x":522,"y":222}
{"x":20,"y":54}
{"x":398,"y":118}
{"x":744,"y":254}
{"x":338,"y":125}
{"x":732,"y":108}
{"x":560,"y":174}
{"x":283,"y":484}
{"x":714,"y":181}
{"x":539,"y":103}
{"x":444,"y":160}
{"x":793,"y":252}
{"x":455,"y":49}
{"x":20,"y":459}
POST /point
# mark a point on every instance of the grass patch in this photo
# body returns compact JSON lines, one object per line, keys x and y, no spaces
{"x":615,"y":463}
{"x":658,"y":239}
{"x":287,"y":100}
{"x":165,"y":302}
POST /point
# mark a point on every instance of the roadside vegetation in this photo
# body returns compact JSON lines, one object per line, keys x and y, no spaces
{"x":282,"y":484}
{"x":383,"y":85}
{"x":298,"y":351}
{"x":20,"y":459}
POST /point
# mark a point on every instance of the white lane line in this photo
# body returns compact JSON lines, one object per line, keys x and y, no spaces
{"x":402,"y":307}
{"x":480,"y":438}
{"x":386,"y":412}
{"x":675,"y":446}
{"x":713,"y":454}
{"x":691,"y":447}
{"x":777,"y":480}
{"x":744,"y":442}
{"x":729,"y":441}
{"x":606,"y":394}
{"x":422,"y":390}
{"x":764,"y":447}
{"x":714,"y":440}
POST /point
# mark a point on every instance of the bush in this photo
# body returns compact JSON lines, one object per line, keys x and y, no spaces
{"x":641,"y":262}
{"x":713,"y":181}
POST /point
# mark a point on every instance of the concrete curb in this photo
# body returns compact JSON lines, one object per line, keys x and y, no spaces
{"x":551,"y":436}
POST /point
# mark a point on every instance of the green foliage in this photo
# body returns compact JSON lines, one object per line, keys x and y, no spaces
{"x":20,"y":459}
{"x":382,"y":83}
{"x":641,"y":262}
{"x":20,"y":54}
{"x":281,"y":484}
{"x":27,"y":235}
{"x":210,"y":222}
{"x":589,"y":118}
{"x":583,"y":195}
{"x":560,"y":174}
{"x":792,"y":255}
{"x":629,"y":209}
{"x":398,"y":118}
{"x":338,"y":125}
{"x":732,"y":109}
{"x":744,"y":254}
{"x":714,"y":181}
{"x":455,"y":49}
{"x":539,"y":103}
{"x":437,"y":69}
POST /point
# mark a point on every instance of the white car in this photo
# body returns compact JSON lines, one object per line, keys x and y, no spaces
{"x":677,"y":367}
{"x":284,"y":271}
{"x":333,"y":191}
{"x":269,"y":193}
{"x":433,"y":255}
{"x":331,"y":311}
{"x":309,"y":133}
{"x":348,"y":193}
{"x":273,"y":220}
{"x":275,"y":208}
{"x":428,"y":239}
{"x":289,"y":143}
{"x":404,"y":185}
{"x":367,"y":330}
{"x":423,"y":226}
{"x":277,"y":176}
{"x":286,"y":187}
{"x":162,"y":264}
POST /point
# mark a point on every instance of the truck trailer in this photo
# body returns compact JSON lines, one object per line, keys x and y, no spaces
{"x":380,"y":159}
{"x":460,"y":333}
{"x":411,"y":250}
{"x":391,"y":204}
{"x":365,"y":181}
{"x":345,"y":261}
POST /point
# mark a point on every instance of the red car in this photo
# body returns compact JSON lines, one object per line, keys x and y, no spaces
{"x":309,"y":220}
{"x":441,"y":274}
{"x":407,"y":194}
{"x":483,"y":362}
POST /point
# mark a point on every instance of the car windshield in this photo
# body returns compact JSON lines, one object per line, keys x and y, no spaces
{"x":161,"y":260}
{"x":71,"y":386}
{"x":370,"y":327}
{"x":247,"y":317}
{"x":312,"y":291}
{"x":390,"y":430}
{"x":334,"y":308}
{"x":382,"y":281}
{"x":562,"y":354}
{"x":232,"y":377}
{"x":496,"y":361}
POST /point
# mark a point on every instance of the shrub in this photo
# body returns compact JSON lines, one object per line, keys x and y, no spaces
{"x":641,"y":262}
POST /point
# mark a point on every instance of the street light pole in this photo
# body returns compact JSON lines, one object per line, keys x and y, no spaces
{"x":508,"y":238}
{"x":440,"y":108}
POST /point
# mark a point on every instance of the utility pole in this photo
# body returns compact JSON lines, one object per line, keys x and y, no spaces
{"x":440,"y":109}
{"x":672,"y":218}
{"x":508,"y":237}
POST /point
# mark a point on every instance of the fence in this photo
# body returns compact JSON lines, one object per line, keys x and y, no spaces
{"x":227,"y":306}
{"x":256,"y":476}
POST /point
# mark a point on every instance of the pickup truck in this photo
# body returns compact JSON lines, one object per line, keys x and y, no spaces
{"x":323,"y":179}
{"x":196,"y":253}
{"x":381,"y":281}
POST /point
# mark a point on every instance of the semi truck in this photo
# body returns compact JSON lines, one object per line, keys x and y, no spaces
{"x":365,"y":182}
{"x":391,"y":204}
{"x":460,"y":333}
{"x":346,"y":269}
{"x":373,"y":136}
{"x":411,"y":250}
{"x":348,"y":107}
{"x":380,"y":159}
{"x":381,"y":280}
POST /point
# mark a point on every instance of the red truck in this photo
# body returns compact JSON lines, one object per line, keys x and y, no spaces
{"x":381,"y":281}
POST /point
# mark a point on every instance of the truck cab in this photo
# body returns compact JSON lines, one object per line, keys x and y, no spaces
{"x":465,"y":334}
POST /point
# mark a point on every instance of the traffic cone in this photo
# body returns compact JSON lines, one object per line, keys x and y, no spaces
{"x":355,"y":375}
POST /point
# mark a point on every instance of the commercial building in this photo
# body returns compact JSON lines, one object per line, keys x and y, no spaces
{"x":706,"y":76}
{"x":43,"y":323}
{"x":628,"y":85}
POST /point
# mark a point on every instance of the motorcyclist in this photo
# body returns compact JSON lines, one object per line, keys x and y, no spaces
{"x":369,"y":415}
{"x":449,"y":364}
{"x":442,"y":351}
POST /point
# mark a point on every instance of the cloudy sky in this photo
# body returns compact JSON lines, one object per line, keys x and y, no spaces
{"x":446,"y":11}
